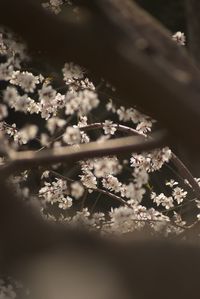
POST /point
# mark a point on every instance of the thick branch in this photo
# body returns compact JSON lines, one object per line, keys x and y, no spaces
{"x":193,"y":28}
{"x":27,"y":159}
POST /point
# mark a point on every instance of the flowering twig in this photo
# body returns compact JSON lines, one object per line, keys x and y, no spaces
{"x":183,"y":170}
{"x":99,"y":190}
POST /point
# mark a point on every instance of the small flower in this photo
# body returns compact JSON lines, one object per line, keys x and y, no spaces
{"x":65,"y":203}
{"x":46,"y":93}
{"x":77,"y":190}
{"x":53,"y":123}
{"x":72,"y":135}
{"x":180,"y":38}
{"x":179,"y":194}
{"x":109,"y":127}
{"x":82,"y":121}
{"x":89,"y":180}
{"x":27,"y":133}
{"x":45,"y":174}
{"x":144,"y":126}
{"x":72,"y":72}
{"x":110,"y":106}
{"x":171,"y":183}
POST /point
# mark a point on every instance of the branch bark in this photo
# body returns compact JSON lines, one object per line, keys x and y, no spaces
{"x":193,"y":28}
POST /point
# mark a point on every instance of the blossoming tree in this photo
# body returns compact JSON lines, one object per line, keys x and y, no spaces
{"x":83,"y":157}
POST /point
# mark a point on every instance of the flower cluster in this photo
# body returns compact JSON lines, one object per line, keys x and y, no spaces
{"x":113,"y":194}
{"x":55,"y":6}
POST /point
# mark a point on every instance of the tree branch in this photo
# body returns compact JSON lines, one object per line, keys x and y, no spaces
{"x":23,"y":160}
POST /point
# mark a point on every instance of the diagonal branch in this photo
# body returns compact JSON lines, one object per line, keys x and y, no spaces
{"x":27,"y":159}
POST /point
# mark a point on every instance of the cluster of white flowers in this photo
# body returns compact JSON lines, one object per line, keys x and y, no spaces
{"x":70,"y":116}
{"x":81,"y":102}
{"x":177,"y":196}
{"x":109,"y":128}
{"x":65,"y":116}
{"x":125,"y":219}
{"x":54,"y":123}
{"x":163,"y":200}
{"x":102,"y":166}
{"x":151,"y":161}
{"x":27,"y":81}
{"x":53,"y":5}
{"x":72,"y":73}
{"x":89,"y":180}
{"x":56,"y":192}
{"x":19,"y":137}
{"x":111,"y":183}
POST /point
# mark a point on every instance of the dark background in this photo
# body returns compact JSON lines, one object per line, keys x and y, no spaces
{"x":169,"y":12}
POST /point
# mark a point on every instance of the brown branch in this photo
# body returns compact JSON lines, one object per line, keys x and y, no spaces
{"x":121,"y":128}
{"x":185,"y":172}
{"x":27,"y":159}
{"x":193,"y":28}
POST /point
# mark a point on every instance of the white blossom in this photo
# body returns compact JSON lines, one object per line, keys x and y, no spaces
{"x":163,"y":200}
{"x":144,"y":126}
{"x":72,"y":135}
{"x":80,"y":102}
{"x":110,"y":106}
{"x":25,"y":134}
{"x":106,"y":166}
{"x":89,"y":180}
{"x":77,"y":190}
{"x":53,"y":123}
{"x":82,"y":121}
{"x":179,"y":194}
{"x":26,"y":80}
{"x":171,"y":183}
{"x":65,"y":203}
{"x":54,"y":192}
{"x":6,"y":71}
{"x":179,"y":37}
{"x":109,"y":128}
{"x":111,"y":183}
{"x":72,"y":72}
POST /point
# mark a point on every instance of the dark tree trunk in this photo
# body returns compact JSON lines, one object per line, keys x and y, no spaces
{"x":193,"y":28}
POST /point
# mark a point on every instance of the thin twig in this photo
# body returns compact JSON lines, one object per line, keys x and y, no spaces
{"x":99,"y":190}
